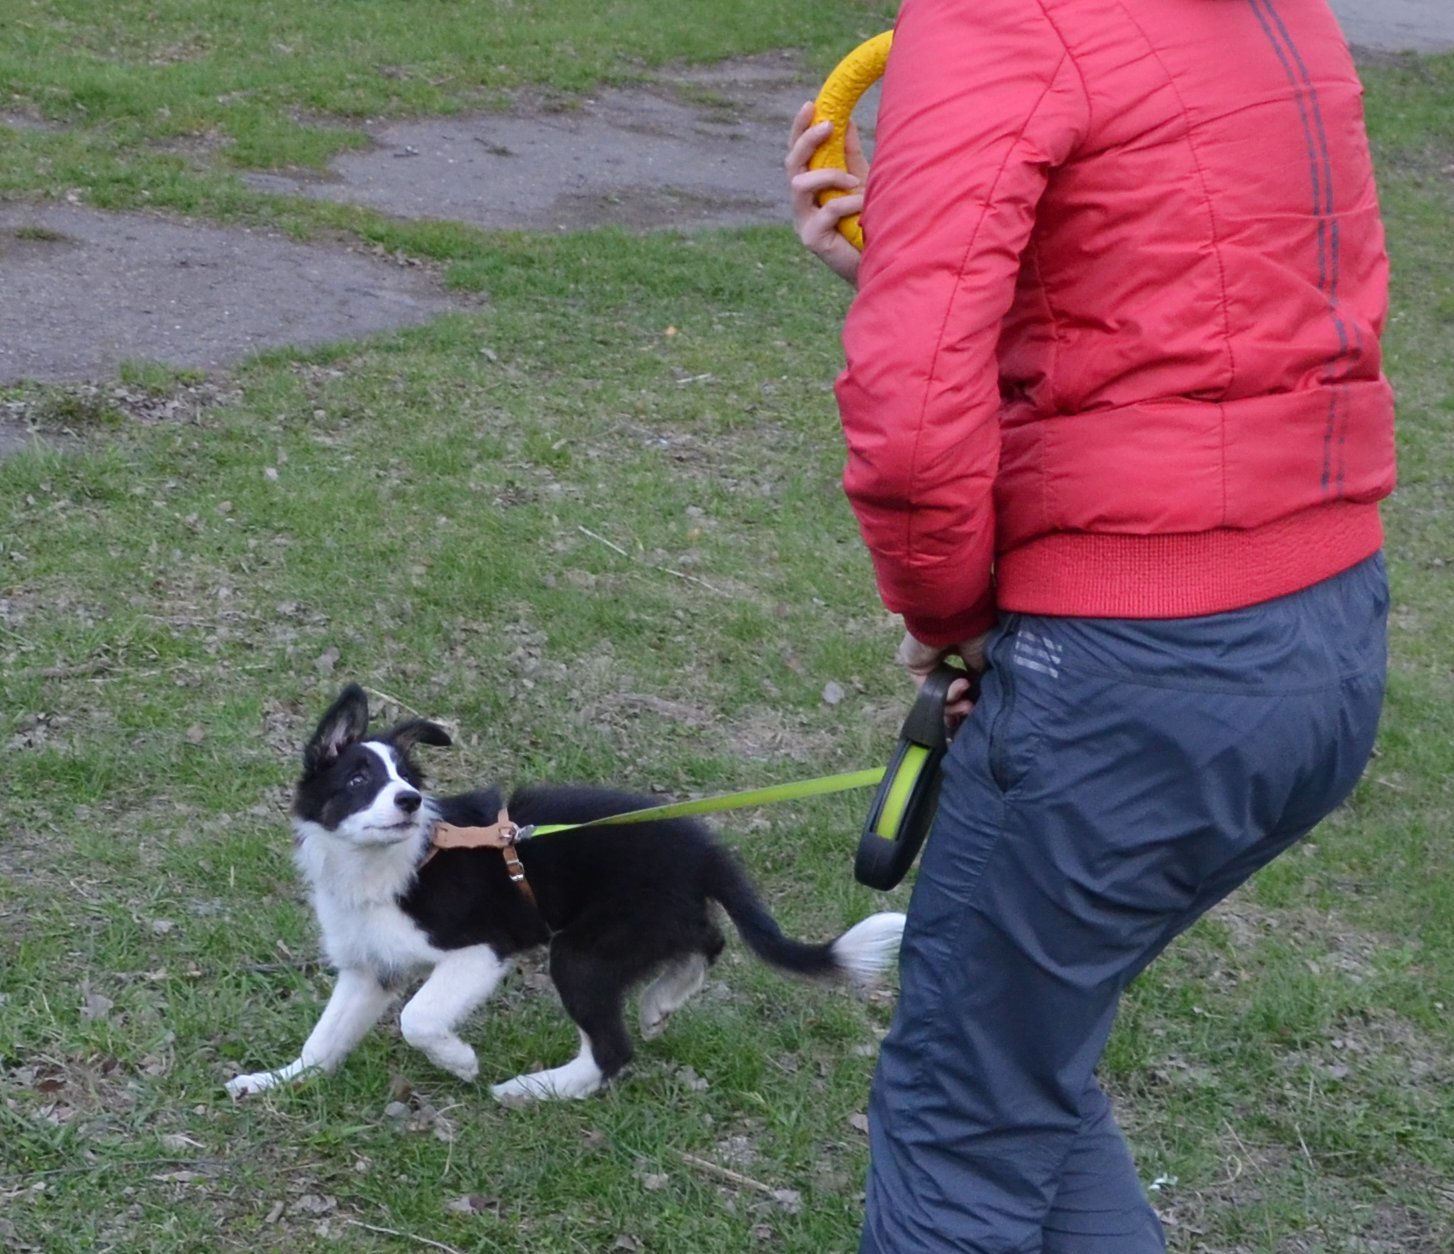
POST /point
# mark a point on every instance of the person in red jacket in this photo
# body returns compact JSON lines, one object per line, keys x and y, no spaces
{"x":1117,"y":434}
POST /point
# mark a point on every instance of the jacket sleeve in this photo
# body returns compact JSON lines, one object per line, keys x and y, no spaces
{"x":979,"y":102}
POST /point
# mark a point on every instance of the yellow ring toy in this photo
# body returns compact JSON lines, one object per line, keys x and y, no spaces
{"x":841,"y":90}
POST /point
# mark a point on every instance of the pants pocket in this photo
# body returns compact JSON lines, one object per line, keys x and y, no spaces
{"x":1018,"y":658}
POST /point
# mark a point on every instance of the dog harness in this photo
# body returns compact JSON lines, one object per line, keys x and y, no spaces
{"x":502,"y":834}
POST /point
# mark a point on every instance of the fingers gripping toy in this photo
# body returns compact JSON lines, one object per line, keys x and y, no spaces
{"x":851,"y":77}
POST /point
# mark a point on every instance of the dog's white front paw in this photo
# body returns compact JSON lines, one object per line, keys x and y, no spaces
{"x":464,"y":1065}
{"x":242,"y":1085}
{"x":449,"y":1053}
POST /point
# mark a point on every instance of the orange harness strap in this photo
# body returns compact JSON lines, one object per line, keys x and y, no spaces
{"x":502,"y":834}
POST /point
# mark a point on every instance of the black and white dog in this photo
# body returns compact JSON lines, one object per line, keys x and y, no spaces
{"x":616,"y":905}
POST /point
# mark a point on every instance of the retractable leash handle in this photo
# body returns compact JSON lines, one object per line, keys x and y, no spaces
{"x":904,"y":805}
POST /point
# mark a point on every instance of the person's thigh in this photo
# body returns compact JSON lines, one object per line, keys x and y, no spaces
{"x":1112,"y":776}
{"x":1023,"y":919}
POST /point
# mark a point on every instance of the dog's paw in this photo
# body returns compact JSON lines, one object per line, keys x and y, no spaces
{"x":465,"y":1066}
{"x":515,"y":1093}
{"x":669,"y":992}
{"x":449,"y":1053}
{"x":242,"y":1085}
{"x":545,"y":1086}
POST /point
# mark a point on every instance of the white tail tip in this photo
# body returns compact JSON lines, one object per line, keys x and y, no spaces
{"x":869,"y":948}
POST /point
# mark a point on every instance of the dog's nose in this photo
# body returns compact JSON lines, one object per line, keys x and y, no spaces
{"x":407,"y":801}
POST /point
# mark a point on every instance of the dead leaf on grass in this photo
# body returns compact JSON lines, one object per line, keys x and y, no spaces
{"x":10,"y":1237}
{"x":473,"y":1204}
{"x":694,"y":1082}
{"x":789,"y":1199}
{"x":422,"y":1117}
{"x":95,"y":1006}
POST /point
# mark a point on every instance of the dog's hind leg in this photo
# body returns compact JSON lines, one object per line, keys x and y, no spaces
{"x":580,"y":1077}
{"x":670,"y":991}
{"x":357,"y":1002}
{"x":459,"y":985}
{"x":592,"y":992}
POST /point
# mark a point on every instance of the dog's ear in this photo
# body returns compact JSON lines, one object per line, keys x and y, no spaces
{"x":346,"y":721}
{"x":417,"y":731}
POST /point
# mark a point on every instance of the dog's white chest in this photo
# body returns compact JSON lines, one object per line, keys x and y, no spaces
{"x":376,"y":936}
{"x":355,"y":894}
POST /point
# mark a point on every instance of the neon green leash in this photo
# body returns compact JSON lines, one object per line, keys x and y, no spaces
{"x":902,"y":811}
{"x":821,"y":787}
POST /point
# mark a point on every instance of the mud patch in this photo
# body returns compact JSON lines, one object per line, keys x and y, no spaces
{"x":86,"y":291}
{"x":63,"y":416}
{"x":26,"y":122}
{"x":701,"y":147}
{"x":13,"y":437}
{"x":1396,"y":25}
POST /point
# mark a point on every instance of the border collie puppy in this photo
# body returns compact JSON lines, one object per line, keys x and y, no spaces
{"x":616,"y":906}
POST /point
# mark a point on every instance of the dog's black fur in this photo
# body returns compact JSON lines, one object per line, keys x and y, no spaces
{"x":613,"y":903}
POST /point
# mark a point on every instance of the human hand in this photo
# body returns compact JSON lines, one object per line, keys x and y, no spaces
{"x":817,"y":225}
{"x":920,"y":660}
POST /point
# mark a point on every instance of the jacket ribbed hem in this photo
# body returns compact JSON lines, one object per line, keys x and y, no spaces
{"x":1185,"y":575}
{"x":944,"y":632}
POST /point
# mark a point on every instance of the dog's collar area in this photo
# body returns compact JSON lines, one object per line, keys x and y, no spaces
{"x":502,"y":834}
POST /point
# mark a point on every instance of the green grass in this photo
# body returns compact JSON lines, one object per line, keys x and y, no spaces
{"x":600,"y":551}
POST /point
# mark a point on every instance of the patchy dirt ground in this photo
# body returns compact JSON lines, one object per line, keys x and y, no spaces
{"x":87,"y":291}
{"x":1396,"y":25}
{"x":700,"y":148}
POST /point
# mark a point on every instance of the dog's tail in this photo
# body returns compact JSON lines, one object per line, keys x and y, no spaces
{"x":861,"y":954}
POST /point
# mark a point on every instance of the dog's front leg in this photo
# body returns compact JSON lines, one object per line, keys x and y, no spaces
{"x":357,"y":1002}
{"x":461,"y":983}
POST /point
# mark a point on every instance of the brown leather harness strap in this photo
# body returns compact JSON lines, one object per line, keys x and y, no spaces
{"x":502,"y":834}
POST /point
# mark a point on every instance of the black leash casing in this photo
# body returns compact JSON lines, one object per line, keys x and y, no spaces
{"x":903,"y":808}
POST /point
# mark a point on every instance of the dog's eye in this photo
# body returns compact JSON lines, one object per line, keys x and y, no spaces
{"x":358,"y":779}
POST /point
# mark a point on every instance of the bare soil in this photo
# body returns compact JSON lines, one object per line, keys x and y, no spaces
{"x":88,"y":291}
{"x":699,"y":148}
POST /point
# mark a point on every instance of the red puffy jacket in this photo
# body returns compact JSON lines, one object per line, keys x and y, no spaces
{"x":1115,"y":345}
